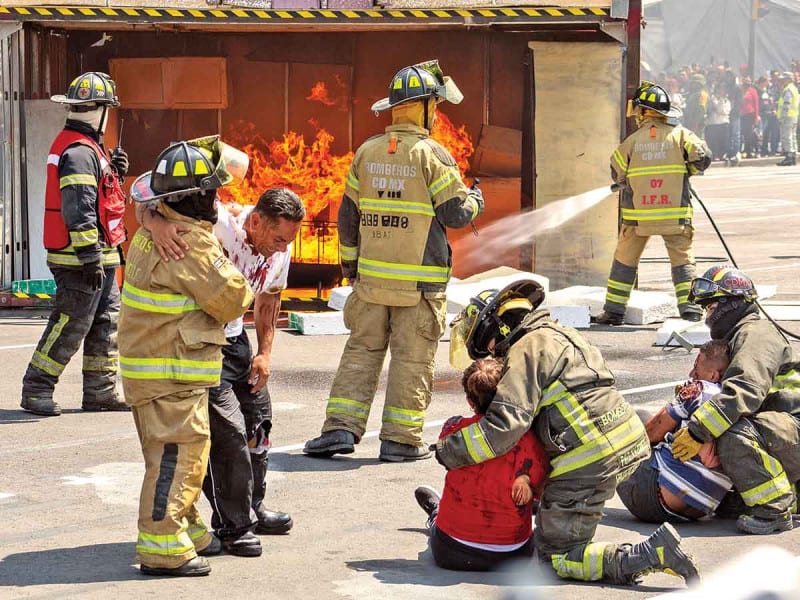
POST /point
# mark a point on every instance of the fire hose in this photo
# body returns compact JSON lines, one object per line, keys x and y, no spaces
{"x":784,"y":332}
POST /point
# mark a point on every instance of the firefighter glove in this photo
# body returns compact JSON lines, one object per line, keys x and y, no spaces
{"x":685,"y":445}
{"x":93,"y":275}
{"x":119,"y":158}
{"x":435,"y":449}
{"x":477,"y":195}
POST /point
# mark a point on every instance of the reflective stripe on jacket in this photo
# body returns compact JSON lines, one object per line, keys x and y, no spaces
{"x":172,"y":317}
{"x":761,"y":376}
{"x":402,"y":191}
{"x":558,"y":384}
{"x":654,"y":164}
{"x":94,"y":225}
{"x":789,"y":109}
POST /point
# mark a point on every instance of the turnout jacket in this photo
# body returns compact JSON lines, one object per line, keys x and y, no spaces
{"x":558,"y":384}
{"x":171,"y":323}
{"x":762,"y":376}
{"x":403,"y":190}
{"x":653,"y":164}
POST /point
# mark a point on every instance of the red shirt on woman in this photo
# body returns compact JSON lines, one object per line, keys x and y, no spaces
{"x":476,"y":504}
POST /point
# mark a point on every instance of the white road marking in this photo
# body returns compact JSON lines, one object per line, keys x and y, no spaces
{"x":17,"y":346}
{"x":6,"y":495}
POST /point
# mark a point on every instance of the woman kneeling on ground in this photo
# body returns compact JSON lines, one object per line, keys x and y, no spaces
{"x":484,"y":515}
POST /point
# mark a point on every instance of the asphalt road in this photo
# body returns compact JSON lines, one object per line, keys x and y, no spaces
{"x":69,"y":486}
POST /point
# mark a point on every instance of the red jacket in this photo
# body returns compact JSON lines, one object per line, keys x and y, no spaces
{"x":751,"y":101}
{"x":476,"y":504}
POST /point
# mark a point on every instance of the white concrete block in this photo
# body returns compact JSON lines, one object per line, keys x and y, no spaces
{"x":783,"y":311}
{"x":339,"y":296}
{"x":459,"y":293}
{"x":319,"y":323}
{"x":696,"y":333}
{"x":572,"y":316}
{"x":643,"y":307}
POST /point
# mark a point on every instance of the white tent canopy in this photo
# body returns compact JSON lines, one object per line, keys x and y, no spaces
{"x":680,"y":32}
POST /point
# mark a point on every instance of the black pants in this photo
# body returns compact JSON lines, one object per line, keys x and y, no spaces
{"x":452,"y":555}
{"x":80,"y":315}
{"x":240,"y":425}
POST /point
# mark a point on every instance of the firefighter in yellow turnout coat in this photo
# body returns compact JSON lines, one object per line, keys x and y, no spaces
{"x":653,"y":166}
{"x":170,"y":337}
{"x":403,"y":190}
{"x":557,"y":384}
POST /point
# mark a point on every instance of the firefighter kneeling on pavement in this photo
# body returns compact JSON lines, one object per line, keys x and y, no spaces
{"x":557,"y":384}
{"x":171,"y":333}
{"x":84,"y":206}
{"x":403,"y":190}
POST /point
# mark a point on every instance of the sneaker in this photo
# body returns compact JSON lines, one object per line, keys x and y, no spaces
{"x":765,"y":526}
{"x":336,"y":441}
{"x":192,"y":568}
{"x":44,"y":407}
{"x":427,"y":498}
{"x":609,"y":318}
{"x":397,"y":452}
{"x":247,"y":544}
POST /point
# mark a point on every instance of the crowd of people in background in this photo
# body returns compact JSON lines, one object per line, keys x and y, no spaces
{"x":734,"y":113}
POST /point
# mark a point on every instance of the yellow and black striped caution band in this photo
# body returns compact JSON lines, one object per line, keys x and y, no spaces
{"x":24,"y":295}
{"x":475,"y":16}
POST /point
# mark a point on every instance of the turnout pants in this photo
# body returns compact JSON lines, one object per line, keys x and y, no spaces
{"x":174,"y":434}
{"x":624,"y":269}
{"x":412,"y":334}
{"x":570,"y":510}
{"x":240,"y":426}
{"x":79,"y":315}
{"x":765,"y":480}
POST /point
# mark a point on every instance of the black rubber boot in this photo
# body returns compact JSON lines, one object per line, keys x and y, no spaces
{"x":787,"y":161}
{"x":765,"y":525}
{"x":271,"y":522}
{"x":214,"y":548}
{"x":397,"y":452}
{"x":192,"y":568}
{"x":660,"y":552}
{"x":44,"y":407}
{"x":608,"y":318}
{"x":247,"y":544}
{"x":111,"y":404}
{"x":337,"y":441}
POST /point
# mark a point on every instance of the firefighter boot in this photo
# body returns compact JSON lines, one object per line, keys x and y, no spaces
{"x":660,"y":552}
{"x":397,"y":452}
{"x":609,"y":318}
{"x":336,"y":441}
{"x":44,"y":407}
{"x":692,"y":312}
{"x":788,"y":160}
{"x":765,"y":525}
{"x":112,"y":403}
{"x":192,"y":568}
{"x":214,"y":548}
{"x":246,"y":544}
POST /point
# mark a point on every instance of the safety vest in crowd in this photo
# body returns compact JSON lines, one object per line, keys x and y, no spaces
{"x":110,"y":197}
{"x":793,"y":109}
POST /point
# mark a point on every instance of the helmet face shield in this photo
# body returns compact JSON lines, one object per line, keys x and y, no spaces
{"x":703,"y":290}
{"x":460,"y":330}
{"x":192,"y":162}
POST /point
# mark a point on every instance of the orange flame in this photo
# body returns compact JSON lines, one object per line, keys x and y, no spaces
{"x":316,"y":174}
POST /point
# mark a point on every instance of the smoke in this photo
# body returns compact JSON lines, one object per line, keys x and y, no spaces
{"x":517,"y":230}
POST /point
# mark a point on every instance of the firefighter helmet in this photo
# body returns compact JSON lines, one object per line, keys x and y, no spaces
{"x":486,"y":318}
{"x":90,"y":88}
{"x":417,"y":82}
{"x":190,"y":167}
{"x":719,"y":282}
{"x":654,"y":97}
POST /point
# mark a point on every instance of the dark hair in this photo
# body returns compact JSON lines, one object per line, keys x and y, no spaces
{"x":283,"y":203}
{"x":716,"y":352}
{"x":480,"y":381}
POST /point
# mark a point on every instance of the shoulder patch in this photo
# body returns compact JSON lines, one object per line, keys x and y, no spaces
{"x":440,"y":152}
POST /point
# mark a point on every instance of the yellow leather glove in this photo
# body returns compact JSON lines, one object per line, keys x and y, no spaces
{"x":684,"y":445}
